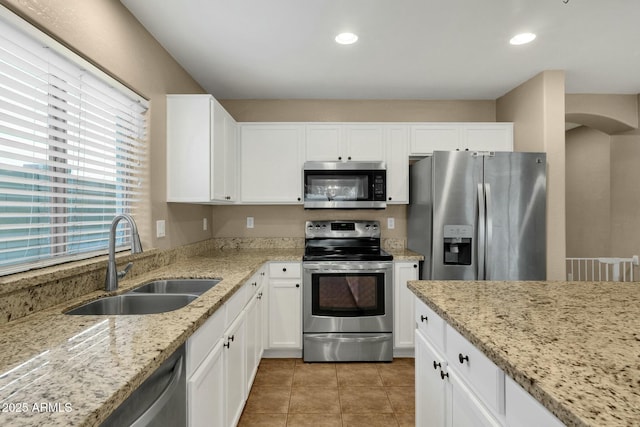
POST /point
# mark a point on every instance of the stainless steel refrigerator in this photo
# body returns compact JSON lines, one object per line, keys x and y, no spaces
{"x":479,"y":216}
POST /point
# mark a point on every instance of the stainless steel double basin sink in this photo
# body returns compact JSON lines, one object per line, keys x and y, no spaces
{"x":158,"y":296}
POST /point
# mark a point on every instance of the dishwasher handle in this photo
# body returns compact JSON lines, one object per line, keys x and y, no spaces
{"x":162,"y":399}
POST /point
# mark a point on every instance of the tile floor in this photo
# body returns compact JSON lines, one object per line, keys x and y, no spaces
{"x":289,"y":392}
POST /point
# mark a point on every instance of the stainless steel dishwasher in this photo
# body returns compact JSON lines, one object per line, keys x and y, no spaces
{"x":160,"y":401}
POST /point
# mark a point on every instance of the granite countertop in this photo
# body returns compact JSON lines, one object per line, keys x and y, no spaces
{"x":57,"y":369}
{"x":574,"y":346}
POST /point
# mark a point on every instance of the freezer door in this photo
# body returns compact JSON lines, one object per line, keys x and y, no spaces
{"x":457,"y":179}
{"x":515,"y":191}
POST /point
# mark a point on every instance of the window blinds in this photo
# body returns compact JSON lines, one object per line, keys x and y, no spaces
{"x":72,"y":155}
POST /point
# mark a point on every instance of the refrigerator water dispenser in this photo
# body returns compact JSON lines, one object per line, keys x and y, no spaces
{"x":457,"y":244}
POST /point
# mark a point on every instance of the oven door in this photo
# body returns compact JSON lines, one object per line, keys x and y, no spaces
{"x":347,"y":297}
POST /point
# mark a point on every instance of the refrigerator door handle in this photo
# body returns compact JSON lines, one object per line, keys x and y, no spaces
{"x":489,"y":230}
{"x":480,"y":244}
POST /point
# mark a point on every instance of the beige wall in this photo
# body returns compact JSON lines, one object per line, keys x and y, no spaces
{"x":288,"y":221}
{"x":588,"y":199}
{"x":537,"y":109}
{"x":104,"y":32}
{"x":625,"y":195}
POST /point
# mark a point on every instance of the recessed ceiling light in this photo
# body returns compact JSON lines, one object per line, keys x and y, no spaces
{"x":523,"y":38}
{"x":346,"y":38}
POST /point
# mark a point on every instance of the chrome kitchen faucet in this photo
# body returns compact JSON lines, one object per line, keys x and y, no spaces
{"x":111,"y":281}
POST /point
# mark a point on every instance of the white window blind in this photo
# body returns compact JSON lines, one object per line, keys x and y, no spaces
{"x":72,"y":154}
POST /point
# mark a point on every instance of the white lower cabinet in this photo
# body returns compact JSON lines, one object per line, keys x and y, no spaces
{"x":285,"y":307}
{"x":205,"y":391}
{"x":458,"y":386}
{"x":254,"y":335}
{"x":403,"y":307}
{"x":233,"y":349}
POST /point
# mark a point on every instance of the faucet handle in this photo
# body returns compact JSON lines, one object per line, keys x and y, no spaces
{"x":124,"y":272}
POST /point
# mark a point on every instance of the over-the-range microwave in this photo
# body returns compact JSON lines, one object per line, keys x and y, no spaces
{"x":345,"y":185}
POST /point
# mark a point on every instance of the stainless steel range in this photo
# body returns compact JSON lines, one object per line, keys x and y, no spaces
{"x":347,"y":293}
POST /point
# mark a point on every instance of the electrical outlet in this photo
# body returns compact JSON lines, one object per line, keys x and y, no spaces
{"x":160,"y":228}
{"x":204,"y":224}
{"x":249,"y":222}
{"x":391,"y":223}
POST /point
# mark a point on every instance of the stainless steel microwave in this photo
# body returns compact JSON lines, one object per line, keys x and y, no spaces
{"x":345,"y":185}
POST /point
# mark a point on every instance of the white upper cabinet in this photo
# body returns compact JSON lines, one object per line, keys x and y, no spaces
{"x":397,"y":158}
{"x":429,"y":137}
{"x":201,"y":150}
{"x":344,"y":142}
{"x":271,"y":163}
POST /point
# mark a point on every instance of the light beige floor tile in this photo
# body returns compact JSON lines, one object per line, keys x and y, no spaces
{"x":315,"y":374}
{"x":402,"y":398}
{"x":397,"y":374}
{"x":274,"y":376}
{"x":314,"y":400}
{"x":314,"y":420}
{"x":268,"y":400}
{"x":369,"y":420}
{"x":364,"y":400}
{"x":263,"y":420}
{"x":358,"y":374}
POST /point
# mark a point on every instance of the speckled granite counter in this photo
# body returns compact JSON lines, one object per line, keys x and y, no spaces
{"x":574,"y":346}
{"x":60,"y":370}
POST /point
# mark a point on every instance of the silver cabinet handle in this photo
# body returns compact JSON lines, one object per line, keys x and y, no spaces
{"x":480,"y":244}
{"x":489,"y":230}
{"x":159,"y":403}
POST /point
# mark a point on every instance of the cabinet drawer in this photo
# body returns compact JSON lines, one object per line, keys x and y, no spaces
{"x":474,"y":367}
{"x":204,"y":339}
{"x":235,"y":305}
{"x":430,"y":324}
{"x":523,"y":410}
{"x":284,"y":270}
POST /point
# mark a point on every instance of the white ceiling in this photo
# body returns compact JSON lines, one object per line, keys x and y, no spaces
{"x":408,"y":49}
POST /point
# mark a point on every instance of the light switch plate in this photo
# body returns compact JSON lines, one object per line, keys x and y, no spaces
{"x":204,"y":224}
{"x":160,"y":228}
{"x":249,"y":222}
{"x":391,"y":223}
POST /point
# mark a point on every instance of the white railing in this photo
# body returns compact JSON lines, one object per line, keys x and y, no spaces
{"x":602,"y":269}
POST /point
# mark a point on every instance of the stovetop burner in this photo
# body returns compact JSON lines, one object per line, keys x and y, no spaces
{"x":344,"y":241}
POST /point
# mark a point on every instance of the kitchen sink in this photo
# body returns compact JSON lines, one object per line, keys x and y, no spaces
{"x":133,"y":303}
{"x":177,"y":286}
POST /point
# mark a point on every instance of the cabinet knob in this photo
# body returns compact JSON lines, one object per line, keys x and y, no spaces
{"x":444,"y":375}
{"x":226,"y":345}
{"x":423,"y":318}
{"x":462,"y":358}
{"x":255,"y":283}
{"x":299,"y":199}
{"x":390,"y":198}
{"x":436,"y":365}
{"x":284,"y":268}
{"x":339,"y":157}
{"x":297,"y":285}
{"x":260,"y":295}
{"x":349,"y":158}
{"x":415,"y":265}
{"x":231,"y":338}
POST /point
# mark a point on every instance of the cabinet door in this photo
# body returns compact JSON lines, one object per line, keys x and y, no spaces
{"x":431,"y":388}
{"x":271,"y":164}
{"x":466,"y":410}
{"x":404,"y":303}
{"x":425,"y":139}
{"x":285,"y":314}
{"x":205,"y":392}
{"x":218,"y":147}
{"x":231,"y":158}
{"x":397,"y":142}
{"x":254,"y":345}
{"x":487,"y":137}
{"x":234,"y":370}
{"x":188,"y":148}
{"x":364,"y":143}
{"x":323,"y":142}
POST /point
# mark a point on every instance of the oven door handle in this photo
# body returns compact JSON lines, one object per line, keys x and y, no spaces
{"x":377,"y":268}
{"x":328,"y":338}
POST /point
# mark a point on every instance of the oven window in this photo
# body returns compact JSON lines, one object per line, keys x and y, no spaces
{"x":347,"y":294}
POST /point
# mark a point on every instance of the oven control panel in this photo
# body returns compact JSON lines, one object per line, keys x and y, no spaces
{"x":342,"y":229}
